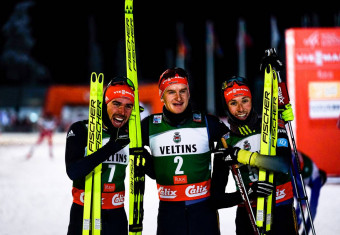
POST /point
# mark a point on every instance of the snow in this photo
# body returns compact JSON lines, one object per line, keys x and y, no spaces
{"x":35,"y":196}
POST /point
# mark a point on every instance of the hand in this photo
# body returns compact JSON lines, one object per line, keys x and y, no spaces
{"x":272,"y":59}
{"x":118,"y":144}
{"x":123,"y":142}
{"x":228,"y":155}
{"x":287,"y":114}
{"x":260,"y":189}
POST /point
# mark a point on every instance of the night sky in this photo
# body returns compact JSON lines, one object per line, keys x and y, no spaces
{"x":62,"y":36}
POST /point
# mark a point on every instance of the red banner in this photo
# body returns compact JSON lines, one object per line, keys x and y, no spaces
{"x":313,"y":80}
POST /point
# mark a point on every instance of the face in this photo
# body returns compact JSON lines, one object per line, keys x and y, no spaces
{"x":176,"y":98}
{"x":240,"y":107}
{"x":119,"y":111}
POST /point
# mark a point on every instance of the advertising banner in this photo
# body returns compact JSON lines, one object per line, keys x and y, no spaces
{"x":313,"y":80}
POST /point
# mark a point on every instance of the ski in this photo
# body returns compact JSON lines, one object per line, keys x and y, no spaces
{"x":268,"y":144}
{"x":92,"y":194}
{"x":137,"y":176}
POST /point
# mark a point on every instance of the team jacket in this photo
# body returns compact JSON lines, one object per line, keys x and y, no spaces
{"x":250,"y":140}
{"x":113,"y":167}
{"x":181,"y":154}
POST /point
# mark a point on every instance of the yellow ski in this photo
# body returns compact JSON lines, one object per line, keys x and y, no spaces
{"x":137,"y":178}
{"x":94,"y":142}
{"x":268,"y":144}
{"x":97,"y":183}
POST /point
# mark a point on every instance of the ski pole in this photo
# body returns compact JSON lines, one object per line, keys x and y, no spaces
{"x":283,"y":101}
{"x":236,"y":172}
{"x":284,"y":96}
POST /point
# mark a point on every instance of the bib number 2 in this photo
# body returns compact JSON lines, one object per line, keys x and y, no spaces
{"x":179,"y":161}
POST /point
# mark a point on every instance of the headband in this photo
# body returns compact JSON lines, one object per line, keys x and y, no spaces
{"x":165,"y":83}
{"x":119,"y":91}
{"x":236,"y":90}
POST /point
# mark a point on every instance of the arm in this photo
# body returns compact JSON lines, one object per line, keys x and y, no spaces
{"x":220,"y":172}
{"x":219,"y":181}
{"x":228,"y":159}
{"x":78,"y":166}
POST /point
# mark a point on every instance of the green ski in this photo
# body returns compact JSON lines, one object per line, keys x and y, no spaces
{"x":137,"y":177}
{"x":268,"y":144}
{"x":92,"y":194}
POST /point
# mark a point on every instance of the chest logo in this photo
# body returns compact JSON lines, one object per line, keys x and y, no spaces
{"x":246,"y":145}
{"x":177,"y":138}
{"x":197,"y":117}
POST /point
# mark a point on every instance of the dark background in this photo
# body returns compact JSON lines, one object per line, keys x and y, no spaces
{"x":62,"y":38}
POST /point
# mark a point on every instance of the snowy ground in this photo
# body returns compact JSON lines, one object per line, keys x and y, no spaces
{"x":35,"y":194}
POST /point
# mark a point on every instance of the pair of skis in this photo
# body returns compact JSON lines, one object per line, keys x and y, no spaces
{"x":92,"y":194}
{"x":275,"y":96}
{"x":268,"y":144}
{"x":137,"y":176}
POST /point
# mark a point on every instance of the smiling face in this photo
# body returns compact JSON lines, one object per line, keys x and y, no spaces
{"x":176,"y":98}
{"x":240,"y":107}
{"x":119,"y":111}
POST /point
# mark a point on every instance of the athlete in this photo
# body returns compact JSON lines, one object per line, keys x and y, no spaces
{"x":245,"y":126}
{"x":118,"y":100}
{"x":47,"y":125}
{"x":314,"y":178}
{"x":181,"y":142}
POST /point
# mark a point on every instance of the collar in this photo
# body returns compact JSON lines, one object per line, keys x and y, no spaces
{"x":177,"y":119}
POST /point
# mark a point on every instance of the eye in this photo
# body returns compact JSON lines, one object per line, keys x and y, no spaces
{"x":244,"y":101}
{"x":183,"y":91}
{"x":233,"y":103}
{"x":129,"y":106}
{"x":116,"y":104}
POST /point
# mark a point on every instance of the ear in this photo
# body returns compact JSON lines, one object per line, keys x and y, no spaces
{"x":159,"y":93}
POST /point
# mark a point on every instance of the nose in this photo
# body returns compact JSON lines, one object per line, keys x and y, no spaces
{"x":121,"y":110}
{"x":240,"y":107}
{"x":178,"y":96}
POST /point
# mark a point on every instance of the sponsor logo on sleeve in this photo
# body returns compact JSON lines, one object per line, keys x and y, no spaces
{"x":282,"y":142}
{"x":157,"y":119}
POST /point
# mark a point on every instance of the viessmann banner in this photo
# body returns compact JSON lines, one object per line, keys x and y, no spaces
{"x":313,"y":80}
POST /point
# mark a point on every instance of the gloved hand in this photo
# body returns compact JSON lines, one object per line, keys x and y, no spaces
{"x":228,"y":155}
{"x":260,"y":189}
{"x":287,"y":113}
{"x":272,"y":59}
{"x":117,"y":144}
